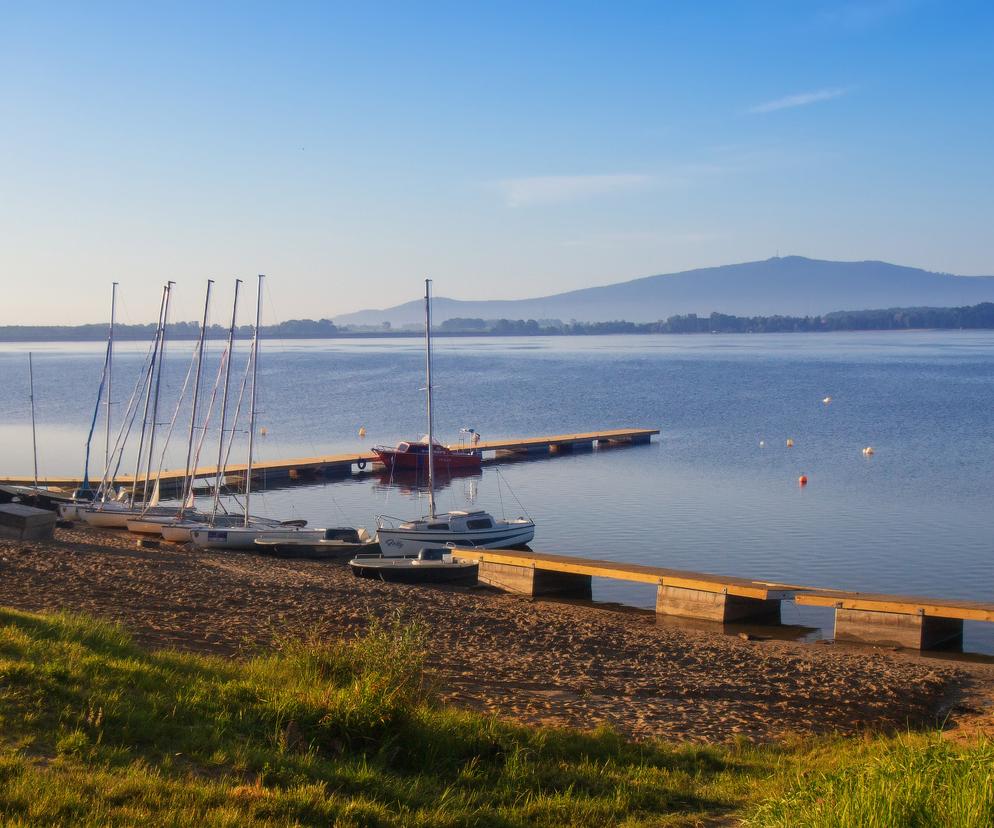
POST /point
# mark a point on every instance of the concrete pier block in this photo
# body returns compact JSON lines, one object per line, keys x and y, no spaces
{"x":715,"y":606}
{"x":535,"y":582}
{"x":892,"y":629}
{"x":20,"y":522}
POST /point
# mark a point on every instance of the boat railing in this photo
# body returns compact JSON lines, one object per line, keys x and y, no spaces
{"x":388,"y":522}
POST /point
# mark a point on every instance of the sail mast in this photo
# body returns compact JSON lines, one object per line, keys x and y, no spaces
{"x":110,"y":359}
{"x":148,"y":396}
{"x":252,"y":397}
{"x":188,"y":479}
{"x":155,"y":399}
{"x":31,"y":395}
{"x":431,"y":423}
{"x":224,"y":406}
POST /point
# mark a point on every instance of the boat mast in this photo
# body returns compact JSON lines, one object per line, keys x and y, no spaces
{"x":255,"y":375}
{"x":110,"y":359}
{"x":431,"y":423}
{"x":155,"y":399}
{"x":224,"y":406}
{"x":188,"y":479}
{"x":148,"y":395}
{"x":31,"y":396}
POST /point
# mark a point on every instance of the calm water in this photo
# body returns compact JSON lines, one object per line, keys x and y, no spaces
{"x":915,"y":517}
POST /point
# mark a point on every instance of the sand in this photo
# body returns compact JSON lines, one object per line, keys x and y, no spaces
{"x":532,"y":661}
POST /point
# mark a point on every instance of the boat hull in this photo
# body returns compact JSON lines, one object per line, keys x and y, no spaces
{"x":321,"y":551}
{"x":405,"y":571}
{"x":406,"y":542}
{"x":418,"y":462}
{"x":244,"y":539}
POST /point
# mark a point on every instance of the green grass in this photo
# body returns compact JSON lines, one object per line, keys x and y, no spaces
{"x":96,"y":731}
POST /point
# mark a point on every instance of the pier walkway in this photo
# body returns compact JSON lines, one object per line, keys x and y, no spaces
{"x":340,"y":465}
{"x":887,"y":620}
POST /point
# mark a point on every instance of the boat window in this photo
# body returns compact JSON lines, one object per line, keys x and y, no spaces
{"x":438,"y":526}
{"x":479,"y":523}
{"x":402,"y":446}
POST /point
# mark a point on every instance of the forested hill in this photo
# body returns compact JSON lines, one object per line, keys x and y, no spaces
{"x":786,"y":286}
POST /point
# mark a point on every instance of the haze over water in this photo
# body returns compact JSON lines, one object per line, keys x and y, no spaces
{"x":914,"y":518}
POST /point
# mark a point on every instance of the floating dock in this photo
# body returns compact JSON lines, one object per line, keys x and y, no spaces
{"x":342,"y":465}
{"x":883,"y":620}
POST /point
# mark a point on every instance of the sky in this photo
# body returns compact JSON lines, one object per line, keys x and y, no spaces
{"x":507,"y":150}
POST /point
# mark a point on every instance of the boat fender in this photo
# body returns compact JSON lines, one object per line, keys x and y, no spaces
{"x":361,"y":465}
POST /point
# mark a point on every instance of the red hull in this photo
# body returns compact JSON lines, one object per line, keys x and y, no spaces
{"x":445,"y":460}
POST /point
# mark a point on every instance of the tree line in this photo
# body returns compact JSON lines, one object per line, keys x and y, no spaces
{"x":969,"y":317}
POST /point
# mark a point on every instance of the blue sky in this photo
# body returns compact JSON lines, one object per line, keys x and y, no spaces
{"x":507,"y":150}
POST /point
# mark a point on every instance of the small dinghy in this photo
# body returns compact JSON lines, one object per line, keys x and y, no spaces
{"x":339,"y":544}
{"x":430,"y":566}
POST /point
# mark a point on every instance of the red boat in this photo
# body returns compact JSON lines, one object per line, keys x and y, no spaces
{"x":413,"y":457}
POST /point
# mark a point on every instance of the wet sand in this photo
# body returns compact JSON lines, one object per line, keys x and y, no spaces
{"x":531,"y":661}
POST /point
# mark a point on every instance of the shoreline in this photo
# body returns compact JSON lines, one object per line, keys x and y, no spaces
{"x":532,"y":661}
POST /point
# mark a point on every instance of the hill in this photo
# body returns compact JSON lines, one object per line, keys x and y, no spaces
{"x":792,"y":285}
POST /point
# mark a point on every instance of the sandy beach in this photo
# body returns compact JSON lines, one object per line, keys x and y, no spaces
{"x":531,"y":661}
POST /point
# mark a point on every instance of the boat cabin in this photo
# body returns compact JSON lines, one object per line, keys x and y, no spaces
{"x":453,"y":522}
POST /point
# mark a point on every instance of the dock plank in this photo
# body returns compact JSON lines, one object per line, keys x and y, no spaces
{"x":339,"y":461}
{"x":703,"y":581}
{"x":898,"y":604}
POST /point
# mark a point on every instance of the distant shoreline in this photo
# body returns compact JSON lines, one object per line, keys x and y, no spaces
{"x":971,"y":317}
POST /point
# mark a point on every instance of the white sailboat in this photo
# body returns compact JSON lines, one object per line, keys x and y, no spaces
{"x":114,"y":514}
{"x":240,"y":532}
{"x":149,"y":523}
{"x":476,"y":528}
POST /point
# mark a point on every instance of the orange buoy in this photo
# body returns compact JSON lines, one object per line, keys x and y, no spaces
{"x":263,"y":431}
{"x":362,"y":431}
{"x":868,"y":451}
{"x":790,"y":443}
{"x":802,"y":480}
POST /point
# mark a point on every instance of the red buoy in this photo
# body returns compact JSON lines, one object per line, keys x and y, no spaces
{"x":802,"y":480}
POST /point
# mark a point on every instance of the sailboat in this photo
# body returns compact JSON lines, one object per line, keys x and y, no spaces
{"x":113,"y":514}
{"x":242,"y":531}
{"x":476,"y":528}
{"x":150,"y":523}
{"x":35,"y":495}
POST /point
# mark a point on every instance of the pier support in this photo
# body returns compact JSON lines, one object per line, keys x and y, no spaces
{"x":893,"y":629}
{"x":535,"y":582}
{"x":715,"y":606}
{"x":569,"y":448}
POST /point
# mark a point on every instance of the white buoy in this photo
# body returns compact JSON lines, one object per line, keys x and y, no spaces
{"x":827,"y":400}
{"x":762,"y":443}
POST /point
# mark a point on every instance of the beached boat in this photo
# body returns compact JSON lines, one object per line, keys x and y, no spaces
{"x":477,"y":528}
{"x":337,"y":544}
{"x":429,"y":566}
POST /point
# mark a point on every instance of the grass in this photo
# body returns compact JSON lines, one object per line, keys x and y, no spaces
{"x":96,"y":731}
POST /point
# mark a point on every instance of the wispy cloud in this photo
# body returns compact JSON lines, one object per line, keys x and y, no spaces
{"x":554,"y":189}
{"x":801,"y":99}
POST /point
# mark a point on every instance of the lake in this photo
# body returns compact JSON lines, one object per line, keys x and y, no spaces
{"x":717,"y":491}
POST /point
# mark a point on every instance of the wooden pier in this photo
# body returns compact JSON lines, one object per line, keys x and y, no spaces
{"x":342,"y":465}
{"x":882,"y":620}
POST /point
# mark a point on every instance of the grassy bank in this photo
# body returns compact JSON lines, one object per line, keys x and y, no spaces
{"x":94,"y":730}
